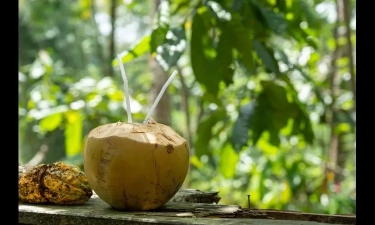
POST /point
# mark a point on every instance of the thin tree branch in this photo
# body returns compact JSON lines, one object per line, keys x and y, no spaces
{"x":185,"y":105}
{"x":38,"y":157}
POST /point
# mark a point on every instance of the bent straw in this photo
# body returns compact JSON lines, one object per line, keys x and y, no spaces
{"x":160,"y":94}
{"x":128,"y":110}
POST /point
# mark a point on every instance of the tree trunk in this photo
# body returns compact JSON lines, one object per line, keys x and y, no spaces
{"x":111,"y":55}
{"x":337,"y":156}
{"x":347,"y":17}
{"x":161,"y":113}
{"x":343,"y":11}
{"x":334,"y":141}
{"x":99,"y":48}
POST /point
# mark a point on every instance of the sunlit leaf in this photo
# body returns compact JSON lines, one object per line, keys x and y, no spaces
{"x":42,"y":113}
{"x":115,"y":96}
{"x":342,"y":128}
{"x":73,"y":133}
{"x":180,"y":5}
{"x":139,"y":49}
{"x":194,"y":160}
{"x":228,"y":161}
{"x":255,"y":186}
{"x":264,"y":144}
{"x":50,"y":123}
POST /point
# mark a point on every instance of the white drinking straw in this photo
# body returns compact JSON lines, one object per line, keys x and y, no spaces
{"x":122,"y":69}
{"x":160,"y":94}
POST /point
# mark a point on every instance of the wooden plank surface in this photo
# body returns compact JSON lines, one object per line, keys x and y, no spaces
{"x":97,"y":212}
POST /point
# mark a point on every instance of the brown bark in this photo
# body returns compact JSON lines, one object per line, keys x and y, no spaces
{"x":334,"y":141}
{"x":337,"y":156}
{"x":112,"y":38}
{"x":161,"y":113}
{"x":343,"y":12}
{"x":347,"y":16}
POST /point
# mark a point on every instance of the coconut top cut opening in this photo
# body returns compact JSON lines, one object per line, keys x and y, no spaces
{"x":153,"y":133}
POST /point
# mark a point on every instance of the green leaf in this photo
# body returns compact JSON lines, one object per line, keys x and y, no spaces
{"x":283,"y":57}
{"x":302,"y":125}
{"x":180,"y":5}
{"x":157,"y":38}
{"x":272,"y":112}
{"x":302,"y":36}
{"x":204,"y":132}
{"x":224,"y":57}
{"x":171,"y":50}
{"x":202,"y":53}
{"x":310,"y":14}
{"x":301,"y":121}
{"x":139,"y":49}
{"x":50,"y":123}
{"x":73,"y":133}
{"x":237,"y":5}
{"x":240,"y":133}
{"x":241,"y":38}
{"x":275,"y":21}
{"x":256,"y":187}
{"x":228,"y":161}
{"x":266,"y":55}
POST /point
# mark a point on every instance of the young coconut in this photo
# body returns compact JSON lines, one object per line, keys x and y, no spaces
{"x":134,"y":166}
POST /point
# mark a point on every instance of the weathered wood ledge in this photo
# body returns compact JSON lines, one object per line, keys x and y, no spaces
{"x":187,"y":207}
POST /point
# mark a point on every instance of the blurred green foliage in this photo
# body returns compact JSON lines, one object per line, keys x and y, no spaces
{"x":258,"y":81}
